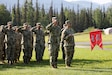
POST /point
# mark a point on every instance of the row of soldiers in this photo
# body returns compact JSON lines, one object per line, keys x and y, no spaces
{"x":56,"y":36}
{"x":12,"y":39}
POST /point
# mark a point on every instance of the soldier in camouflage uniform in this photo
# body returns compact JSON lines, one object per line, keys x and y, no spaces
{"x":2,"y":44}
{"x":40,"y":42}
{"x":31,"y":33}
{"x":68,"y":38}
{"x":27,"y":42}
{"x":54,"y":41}
{"x":9,"y":31}
{"x":18,"y":36}
{"x":62,"y":44}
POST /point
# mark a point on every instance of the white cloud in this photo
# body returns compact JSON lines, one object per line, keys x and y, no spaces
{"x":97,"y":1}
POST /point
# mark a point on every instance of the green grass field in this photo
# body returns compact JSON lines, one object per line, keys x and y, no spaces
{"x":85,"y":62}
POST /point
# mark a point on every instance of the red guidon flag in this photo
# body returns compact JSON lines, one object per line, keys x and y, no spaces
{"x":96,"y":38}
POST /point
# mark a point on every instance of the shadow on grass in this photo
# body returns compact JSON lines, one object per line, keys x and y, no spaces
{"x":108,"y":70}
{"x":85,"y":61}
{"x":88,"y":61}
{"x":76,"y":63}
{"x":21,"y":65}
{"x":88,"y":65}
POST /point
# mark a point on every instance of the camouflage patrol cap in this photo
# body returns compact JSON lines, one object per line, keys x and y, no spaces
{"x":38,"y":23}
{"x":25,"y":24}
{"x":9,"y":23}
{"x":64,"y":24}
{"x":55,"y":18}
{"x":67,"y":22}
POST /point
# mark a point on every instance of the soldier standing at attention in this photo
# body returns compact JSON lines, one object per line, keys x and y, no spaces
{"x":54,"y":41}
{"x":9,"y":31}
{"x":40,"y":42}
{"x":68,"y":38}
{"x":62,"y":44}
{"x":27,"y":43}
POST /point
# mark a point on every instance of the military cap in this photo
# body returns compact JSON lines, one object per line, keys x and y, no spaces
{"x":55,"y":18}
{"x":38,"y":23}
{"x":67,"y":22}
{"x":9,"y":23}
{"x":64,"y":24}
{"x":25,"y":24}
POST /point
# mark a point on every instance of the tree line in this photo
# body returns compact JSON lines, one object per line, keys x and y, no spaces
{"x":80,"y":19}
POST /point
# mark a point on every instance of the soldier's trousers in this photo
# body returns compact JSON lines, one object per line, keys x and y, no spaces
{"x":4,"y":52}
{"x":38,"y":50}
{"x":53,"y":49}
{"x":10,"y":52}
{"x":17,"y":52}
{"x":27,"y":54}
{"x":1,"y":52}
{"x":63,"y":51}
{"x":42,"y":52}
{"x":69,"y":52}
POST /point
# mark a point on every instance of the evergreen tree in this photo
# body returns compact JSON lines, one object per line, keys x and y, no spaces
{"x":90,"y":16}
{"x":82,"y":20}
{"x":62,"y":17}
{"x":51,"y":11}
{"x":18,"y":20}
{"x":24,"y":12}
{"x":77,"y":20}
{"x":14,"y":15}
{"x":109,"y":15}
{"x":36,"y":14}
{"x":105,"y":22}
{"x":98,"y":17}
{"x":4,"y":15}
{"x":73,"y":19}
{"x":44,"y":18}
{"x":30,"y":13}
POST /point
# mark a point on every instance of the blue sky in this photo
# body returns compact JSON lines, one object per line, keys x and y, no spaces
{"x":97,"y":1}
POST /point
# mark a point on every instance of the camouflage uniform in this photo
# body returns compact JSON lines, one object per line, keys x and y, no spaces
{"x":40,"y":43}
{"x":31,"y":49}
{"x":27,"y":42}
{"x":53,"y":42}
{"x":2,"y":44}
{"x":68,"y":38}
{"x":10,"y":44}
{"x":62,"y":47}
{"x":18,"y":45}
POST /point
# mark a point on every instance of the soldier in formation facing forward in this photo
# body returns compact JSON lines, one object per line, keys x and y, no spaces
{"x":54,"y":41}
{"x":9,"y":31}
{"x":40,"y":42}
{"x":68,"y":38}
{"x":27,"y":42}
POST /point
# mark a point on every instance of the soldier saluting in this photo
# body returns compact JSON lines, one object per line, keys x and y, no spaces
{"x":9,"y":31}
{"x":27,"y":42}
{"x":54,"y":41}
{"x":40,"y":41}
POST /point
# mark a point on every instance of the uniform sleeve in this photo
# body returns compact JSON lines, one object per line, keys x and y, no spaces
{"x":20,"y":30}
{"x":49,"y":27}
{"x":4,"y":30}
{"x":68,"y":36}
{"x":33,"y":29}
{"x":63,"y":35}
